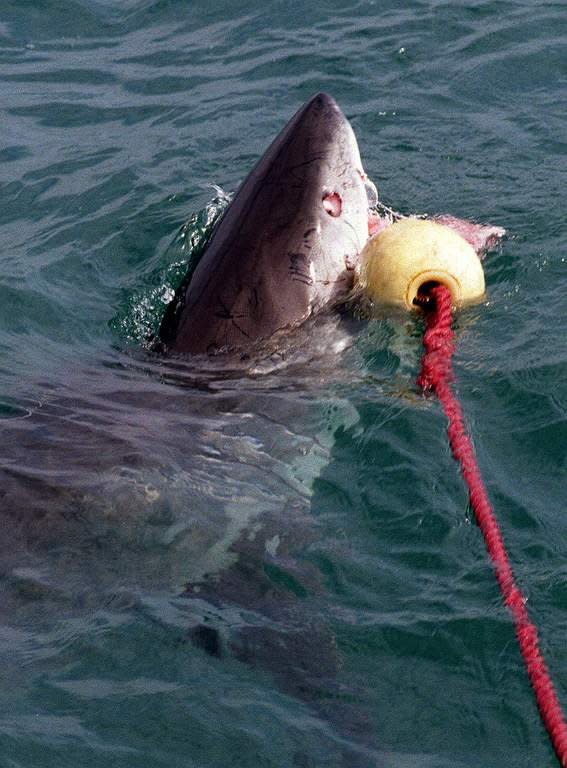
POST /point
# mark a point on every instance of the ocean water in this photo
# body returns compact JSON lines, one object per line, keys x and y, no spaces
{"x":277,"y":567}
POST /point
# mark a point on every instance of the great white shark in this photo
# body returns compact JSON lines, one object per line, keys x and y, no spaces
{"x":119,"y":489}
{"x":287,"y":245}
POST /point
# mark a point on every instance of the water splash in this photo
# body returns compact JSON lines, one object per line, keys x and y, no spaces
{"x":138,"y":319}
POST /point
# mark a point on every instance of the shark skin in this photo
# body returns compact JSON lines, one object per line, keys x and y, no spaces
{"x":287,"y":246}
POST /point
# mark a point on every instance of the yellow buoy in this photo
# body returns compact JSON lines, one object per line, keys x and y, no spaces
{"x":412,"y":252}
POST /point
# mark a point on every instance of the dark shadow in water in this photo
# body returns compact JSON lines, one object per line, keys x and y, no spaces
{"x":126,"y":482}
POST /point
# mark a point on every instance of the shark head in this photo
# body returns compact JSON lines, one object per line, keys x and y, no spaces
{"x":287,"y":246}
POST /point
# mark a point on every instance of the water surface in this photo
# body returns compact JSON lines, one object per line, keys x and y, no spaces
{"x":311,"y":515}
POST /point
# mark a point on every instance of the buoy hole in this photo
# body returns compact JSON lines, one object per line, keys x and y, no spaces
{"x":423,"y":298}
{"x":333,"y":204}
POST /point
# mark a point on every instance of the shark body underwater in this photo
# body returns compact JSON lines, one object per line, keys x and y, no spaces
{"x":186,"y":507}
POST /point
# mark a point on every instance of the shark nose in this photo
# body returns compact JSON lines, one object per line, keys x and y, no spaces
{"x":333,"y":204}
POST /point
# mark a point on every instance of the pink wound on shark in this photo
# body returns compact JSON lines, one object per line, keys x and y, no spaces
{"x":333,"y":204}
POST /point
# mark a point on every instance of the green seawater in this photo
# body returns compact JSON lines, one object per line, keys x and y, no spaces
{"x":274,"y":568}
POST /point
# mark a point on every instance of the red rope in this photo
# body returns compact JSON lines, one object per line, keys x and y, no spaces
{"x":436,"y":375}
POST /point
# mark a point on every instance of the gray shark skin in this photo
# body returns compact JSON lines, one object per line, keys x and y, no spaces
{"x":287,"y":245}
